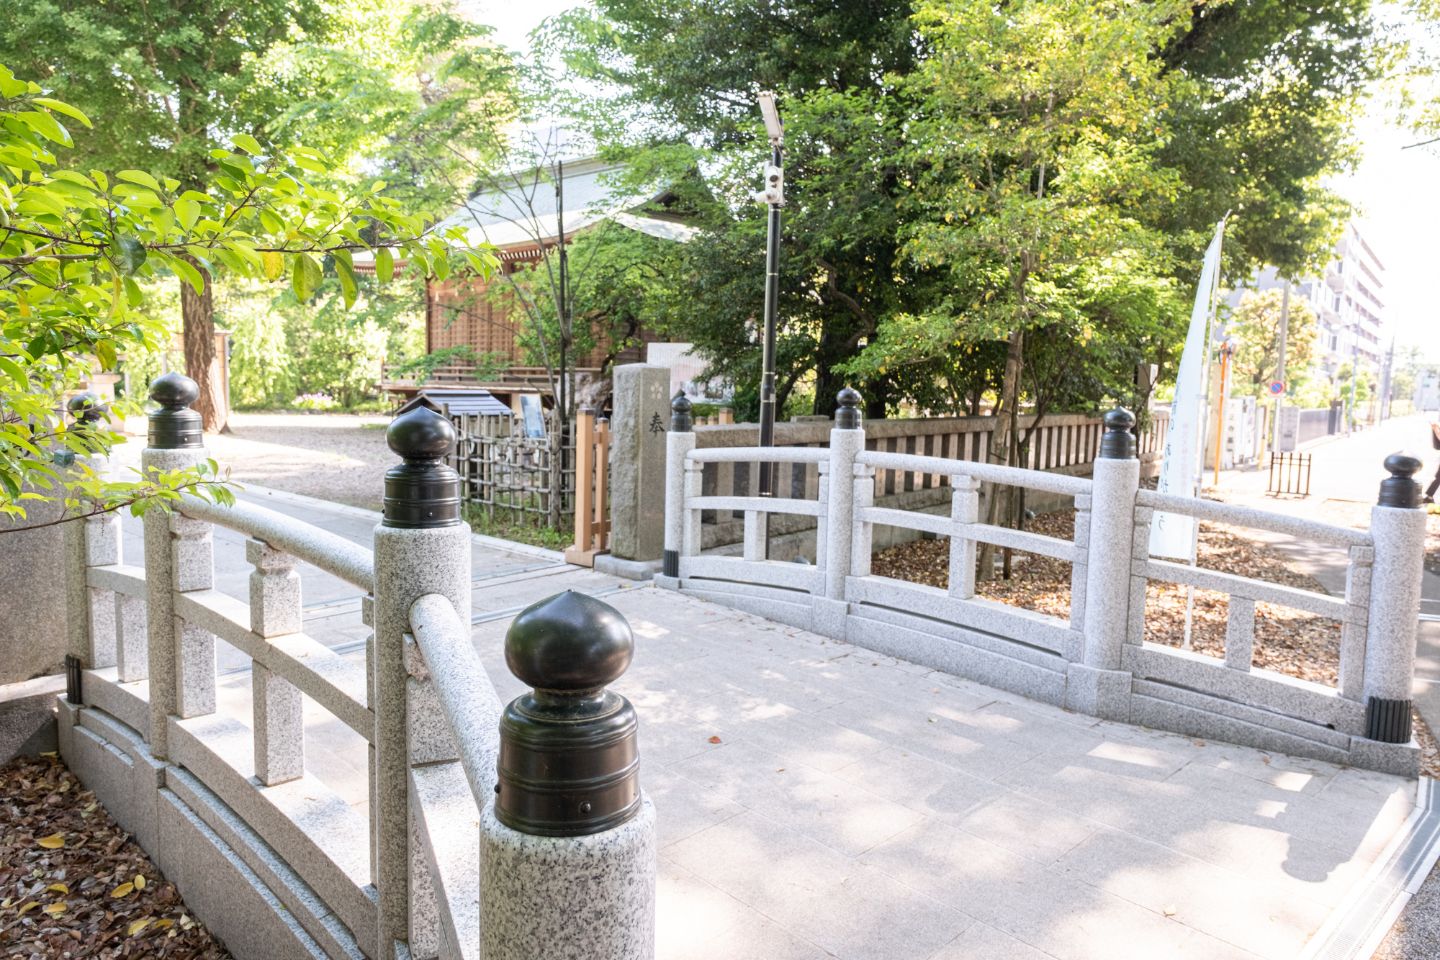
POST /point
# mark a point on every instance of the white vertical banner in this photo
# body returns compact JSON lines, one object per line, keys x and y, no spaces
{"x":1172,"y":535}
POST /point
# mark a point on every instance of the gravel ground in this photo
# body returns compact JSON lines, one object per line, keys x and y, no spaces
{"x":339,"y":457}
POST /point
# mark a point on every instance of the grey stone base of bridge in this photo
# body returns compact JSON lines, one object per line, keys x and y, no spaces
{"x":243,"y":890}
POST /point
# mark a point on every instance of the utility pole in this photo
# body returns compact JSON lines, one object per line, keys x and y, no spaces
{"x":774,"y":196}
{"x":1280,"y":366}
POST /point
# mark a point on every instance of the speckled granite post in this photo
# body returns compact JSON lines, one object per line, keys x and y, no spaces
{"x":567,"y":844}
{"x":568,"y":898}
{"x":678,"y":443}
{"x":421,"y":547}
{"x":1398,"y":525}
{"x":1097,"y":685}
{"x":90,"y":614}
{"x":847,"y":438}
{"x":176,"y":442}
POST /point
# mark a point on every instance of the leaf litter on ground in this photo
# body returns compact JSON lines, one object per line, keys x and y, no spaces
{"x":74,"y":885}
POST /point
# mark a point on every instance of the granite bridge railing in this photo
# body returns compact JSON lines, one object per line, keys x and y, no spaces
{"x":1096,"y":660}
{"x":485,"y":823}
{"x":1063,"y":444}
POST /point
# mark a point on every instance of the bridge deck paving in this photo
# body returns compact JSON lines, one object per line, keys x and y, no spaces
{"x":818,"y":800}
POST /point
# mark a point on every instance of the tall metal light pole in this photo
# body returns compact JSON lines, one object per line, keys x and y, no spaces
{"x":774,"y":196}
{"x":1280,"y":365}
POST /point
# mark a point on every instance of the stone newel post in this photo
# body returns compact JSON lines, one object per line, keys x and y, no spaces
{"x":1397,"y":524}
{"x":1098,"y":685}
{"x":678,"y":443}
{"x":847,"y":438}
{"x":567,"y":847}
{"x":177,"y":557}
{"x":95,"y":541}
{"x":421,"y":547}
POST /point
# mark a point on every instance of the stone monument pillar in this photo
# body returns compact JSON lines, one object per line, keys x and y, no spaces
{"x":637,"y":461}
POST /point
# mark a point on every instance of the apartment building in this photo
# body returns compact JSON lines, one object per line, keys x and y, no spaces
{"x":1348,"y":298}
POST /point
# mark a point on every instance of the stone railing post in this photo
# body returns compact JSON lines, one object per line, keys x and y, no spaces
{"x":275,"y":611}
{"x":421,"y":547}
{"x":678,"y":443}
{"x":181,"y":658}
{"x":1397,"y":523}
{"x":847,"y":438}
{"x":95,"y":541}
{"x":1097,"y":684}
{"x":567,"y":846}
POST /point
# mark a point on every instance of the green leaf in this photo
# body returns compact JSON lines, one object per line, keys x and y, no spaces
{"x":187,"y":212}
{"x":248,"y":143}
{"x":60,"y":106}
{"x":186,"y":271}
{"x":346,"y":273}
{"x":305,"y":276}
{"x":9,"y":86}
{"x":384,"y":264}
{"x":129,"y":254}
{"x":46,"y":125}
{"x":140,"y":177}
{"x":105,"y":353}
{"x":15,"y":372}
{"x":271,"y":223}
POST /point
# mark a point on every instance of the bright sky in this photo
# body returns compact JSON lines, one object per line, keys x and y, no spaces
{"x":1397,"y":190}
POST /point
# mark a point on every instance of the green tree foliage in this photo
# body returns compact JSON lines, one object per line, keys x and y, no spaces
{"x":1254,"y":326}
{"x":394,"y":93}
{"x":687,"y":75}
{"x":1234,"y":107}
{"x":77,"y":248}
{"x":1269,"y":117}
{"x":175,"y":81}
{"x":283,"y":347}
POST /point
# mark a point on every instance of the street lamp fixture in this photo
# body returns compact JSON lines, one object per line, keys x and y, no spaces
{"x":773,"y":128}
{"x":774,"y":197}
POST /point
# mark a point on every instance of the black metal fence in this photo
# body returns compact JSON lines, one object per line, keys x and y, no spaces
{"x":1289,"y":475}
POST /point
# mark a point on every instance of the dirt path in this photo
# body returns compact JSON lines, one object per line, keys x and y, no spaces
{"x":332,"y":456}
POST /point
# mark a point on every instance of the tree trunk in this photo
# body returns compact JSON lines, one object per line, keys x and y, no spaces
{"x":197,"y":311}
{"x":1001,"y":445}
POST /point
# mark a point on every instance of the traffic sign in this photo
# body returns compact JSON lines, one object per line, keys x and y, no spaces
{"x":1276,"y":388}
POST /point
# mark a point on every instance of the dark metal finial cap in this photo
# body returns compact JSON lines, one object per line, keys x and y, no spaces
{"x":1400,"y":489}
{"x":86,"y":408}
{"x":421,"y":492}
{"x":1118,"y":443}
{"x":847,"y":417}
{"x":680,"y":419}
{"x":174,"y":426}
{"x":569,"y":762}
{"x":569,"y":643}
